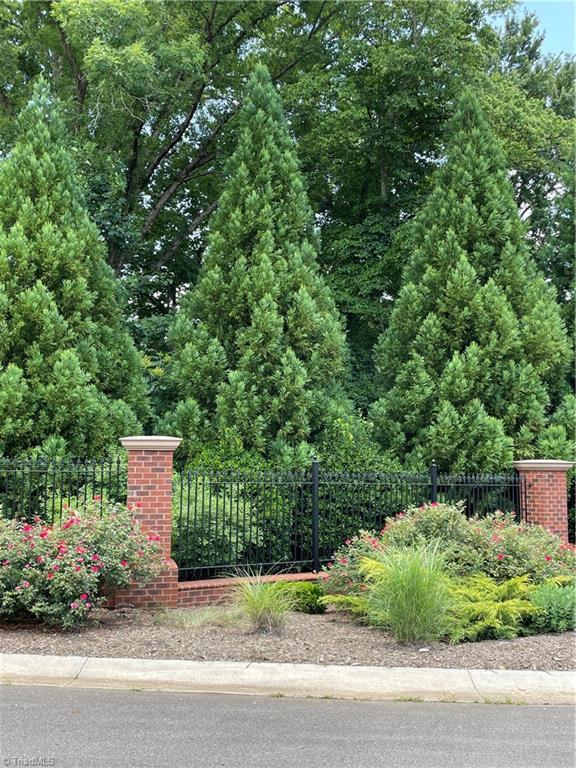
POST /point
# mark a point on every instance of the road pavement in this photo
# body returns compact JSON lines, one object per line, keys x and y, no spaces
{"x":84,"y":728}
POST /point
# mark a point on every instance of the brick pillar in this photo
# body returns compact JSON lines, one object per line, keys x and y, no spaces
{"x":546,"y":493}
{"x":150,"y":489}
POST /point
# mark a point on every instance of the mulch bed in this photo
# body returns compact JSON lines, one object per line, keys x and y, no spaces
{"x":331,"y":638}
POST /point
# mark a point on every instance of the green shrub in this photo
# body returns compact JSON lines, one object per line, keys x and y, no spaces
{"x":482,"y":609}
{"x":495,"y":545}
{"x":59,"y":573}
{"x":356,"y":605}
{"x":555,"y":607}
{"x":409,"y":593}
{"x":305,"y":596}
{"x":264,"y":603}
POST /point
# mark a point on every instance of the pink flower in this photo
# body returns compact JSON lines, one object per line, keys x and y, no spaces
{"x":49,"y":575}
{"x":343,"y":561}
{"x":77,"y":568}
{"x":5,"y":562}
{"x":138,"y":504}
{"x":84,"y":596}
{"x":95,"y":557}
{"x":548,"y":558}
{"x":39,"y":559}
{"x":329,"y":565}
{"x":374,"y":543}
{"x":95,"y":568}
{"x":123,"y":563}
{"x":88,"y":605}
{"x":44,"y":533}
{"x":80,"y":549}
{"x":496,"y":538}
{"x":433,"y":503}
{"x":348,"y":541}
{"x":501,"y":556}
{"x":96,"y":498}
{"x":73,"y":606}
{"x":27,"y":527}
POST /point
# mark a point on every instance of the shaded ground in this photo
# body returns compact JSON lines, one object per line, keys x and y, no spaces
{"x":328,"y":639}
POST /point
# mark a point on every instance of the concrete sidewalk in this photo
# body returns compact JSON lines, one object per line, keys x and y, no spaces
{"x":315,"y":680}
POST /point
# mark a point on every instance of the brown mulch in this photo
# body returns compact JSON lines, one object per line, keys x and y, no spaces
{"x":331,"y":638}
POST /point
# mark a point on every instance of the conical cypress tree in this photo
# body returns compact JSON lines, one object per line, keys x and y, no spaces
{"x":68,"y":368}
{"x":476,"y":352}
{"x":258,"y":344}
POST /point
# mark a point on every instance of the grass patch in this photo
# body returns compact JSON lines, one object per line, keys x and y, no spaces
{"x":409,"y":593}
{"x":265,"y":604}
{"x":206,"y":616}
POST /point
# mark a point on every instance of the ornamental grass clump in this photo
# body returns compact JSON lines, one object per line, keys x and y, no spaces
{"x":60,"y":573}
{"x":264,"y":603}
{"x":409,"y":593}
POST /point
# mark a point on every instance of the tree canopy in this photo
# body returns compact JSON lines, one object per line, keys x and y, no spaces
{"x":476,"y":353}
{"x":70,"y":376}
{"x":259,"y":348}
{"x":150,"y":93}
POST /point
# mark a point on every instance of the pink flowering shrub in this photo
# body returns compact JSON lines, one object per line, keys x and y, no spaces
{"x":59,"y":573}
{"x":342,"y":575}
{"x":495,"y":545}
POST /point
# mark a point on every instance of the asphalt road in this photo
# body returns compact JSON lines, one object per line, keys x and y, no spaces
{"x":82,"y":728}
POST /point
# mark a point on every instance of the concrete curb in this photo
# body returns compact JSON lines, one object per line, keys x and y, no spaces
{"x":311,"y":680}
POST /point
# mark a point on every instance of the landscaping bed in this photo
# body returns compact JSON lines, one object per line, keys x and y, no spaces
{"x":332,"y":638}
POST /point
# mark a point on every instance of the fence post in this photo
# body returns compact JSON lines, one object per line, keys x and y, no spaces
{"x":315,"y":514}
{"x":546,"y":493}
{"x":150,"y":490}
{"x":433,"y":482}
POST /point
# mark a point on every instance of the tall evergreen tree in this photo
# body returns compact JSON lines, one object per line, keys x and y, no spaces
{"x":476,"y":352}
{"x":258,"y":344}
{"x":70,"y":376}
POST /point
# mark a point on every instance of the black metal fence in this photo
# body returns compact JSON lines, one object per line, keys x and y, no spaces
{"x":49,"y":488}
{"x":294,"y":520}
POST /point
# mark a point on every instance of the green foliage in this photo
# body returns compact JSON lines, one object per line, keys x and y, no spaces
{"x":409,"y":593}
{"x":59,"y":574}
{"x":150,"y":91}
{"x":495,"y":545}
{"x":342,"y":575}
{"x":356,"y":605}
{"x":476,"y":351}
{"x":258,"y":347}
{"x":67,"y":365}
{"x":305,"y":596}
{"x":555,"y":605}
{"x":223,"y":518}
{"x":482,"y":609}
{"x":264,"y":603}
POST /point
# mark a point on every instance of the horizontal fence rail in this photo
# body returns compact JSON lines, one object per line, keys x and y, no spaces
{"x":275,"y":520}
{"x":50,"y":488}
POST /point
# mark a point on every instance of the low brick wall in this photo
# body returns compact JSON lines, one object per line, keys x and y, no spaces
{"x":213,"y":591}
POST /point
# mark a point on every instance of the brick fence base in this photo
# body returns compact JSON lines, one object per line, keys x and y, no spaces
{"x":213,"y":591}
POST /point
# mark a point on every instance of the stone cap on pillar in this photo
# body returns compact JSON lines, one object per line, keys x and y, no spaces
{"x":150,"y":443}
{"x":543,"y":465}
